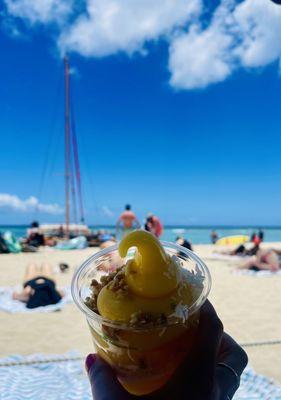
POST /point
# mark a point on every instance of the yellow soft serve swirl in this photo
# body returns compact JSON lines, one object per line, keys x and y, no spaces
{"x":154,"y":281}
{"x":151,"y":273}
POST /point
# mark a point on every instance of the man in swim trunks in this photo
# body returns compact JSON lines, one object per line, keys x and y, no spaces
{"x":127,"y":221}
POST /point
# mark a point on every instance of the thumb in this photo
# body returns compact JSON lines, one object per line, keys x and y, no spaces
{"x":104,"y":383}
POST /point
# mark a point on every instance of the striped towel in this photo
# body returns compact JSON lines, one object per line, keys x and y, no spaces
{"x":257,"y":387}
{"x":50,"y":381}
{"x":67,"y":380}
{"x":14,"y":306}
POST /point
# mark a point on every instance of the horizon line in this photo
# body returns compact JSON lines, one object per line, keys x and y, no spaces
{"x":174,"y":226}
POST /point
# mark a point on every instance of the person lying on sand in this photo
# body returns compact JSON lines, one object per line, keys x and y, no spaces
{"x":264,"y":260}
{"x":242,"y":251}
{"x":39,"y":287}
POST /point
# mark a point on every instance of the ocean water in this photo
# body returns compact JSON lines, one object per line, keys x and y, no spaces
{"x":197,"y":235}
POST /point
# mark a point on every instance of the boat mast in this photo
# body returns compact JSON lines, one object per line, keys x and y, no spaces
{"x":67,"y":145}
{"x":76,"y":163}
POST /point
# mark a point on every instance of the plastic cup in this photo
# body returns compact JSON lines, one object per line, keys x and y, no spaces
{"x":144,"y":358}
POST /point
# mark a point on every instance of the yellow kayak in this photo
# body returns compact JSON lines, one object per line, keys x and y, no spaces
{"x":235,"y":239}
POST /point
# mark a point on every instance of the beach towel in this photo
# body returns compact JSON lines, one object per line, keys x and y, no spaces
{"x":14,"y":306}
{"x":67,"y":380}
{"x":64,"y":380}
{"x":80,"y":242}
{"x":257,"y":387}
{"x":256,"y":273}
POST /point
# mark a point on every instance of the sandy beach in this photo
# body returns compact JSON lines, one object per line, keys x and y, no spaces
{"x":248,"y":306}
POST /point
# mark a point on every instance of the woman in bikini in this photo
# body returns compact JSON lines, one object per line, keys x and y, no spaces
{"x":39,"y":287}
{"x":266,"y":260}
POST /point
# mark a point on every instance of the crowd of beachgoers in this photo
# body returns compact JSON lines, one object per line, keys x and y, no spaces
{"x":39,"y":279}
{"x":78,"y":236}
{"x":75,"y":236}
{"x":72,"y":237}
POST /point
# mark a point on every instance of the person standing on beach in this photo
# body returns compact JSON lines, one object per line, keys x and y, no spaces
{"x":214,"y":237}
{"x":153,"y":225}
{"x":127,"y":221}
{"x":261,"y":235}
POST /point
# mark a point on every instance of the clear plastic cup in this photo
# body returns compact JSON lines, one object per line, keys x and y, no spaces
{"x":144,"y":358}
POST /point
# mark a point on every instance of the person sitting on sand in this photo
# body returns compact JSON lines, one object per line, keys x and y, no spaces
{"x":184,"y":243}
{"x":264,"y":260}
{"x":39,"y":287}
{"x":35,"y":237}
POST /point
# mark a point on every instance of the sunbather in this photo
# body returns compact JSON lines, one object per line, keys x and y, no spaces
{"x":264,"y":260}
{"x":242,"y":250}
{"x":39,"y":287}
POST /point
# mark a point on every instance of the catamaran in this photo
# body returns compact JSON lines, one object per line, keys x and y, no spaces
{"x":72,"y":176}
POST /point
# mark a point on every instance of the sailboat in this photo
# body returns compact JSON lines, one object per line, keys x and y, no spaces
{"x":72,"y":176}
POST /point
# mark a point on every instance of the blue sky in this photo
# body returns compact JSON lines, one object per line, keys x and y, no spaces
{"x":191,"y":133}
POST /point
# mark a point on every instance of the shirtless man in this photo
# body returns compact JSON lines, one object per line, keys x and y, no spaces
{"x":127,"y":221}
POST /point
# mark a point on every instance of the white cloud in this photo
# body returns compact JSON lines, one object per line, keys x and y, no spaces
{"x":107,"y":211}
{"x":259,"y":23}
{"x":39,"y":11}
{"x":238,"y":36}
{"x":111,"y":26}
{"x":12,"y":202}
{"x":201,"y":57}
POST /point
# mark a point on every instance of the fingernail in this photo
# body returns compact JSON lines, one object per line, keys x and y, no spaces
{"x":90,"y":360}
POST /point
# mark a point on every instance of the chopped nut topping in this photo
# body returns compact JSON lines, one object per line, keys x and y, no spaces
{"x":148,"y":319}
{"x":116,"y":282}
